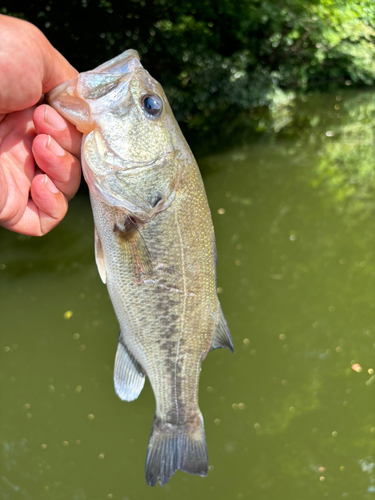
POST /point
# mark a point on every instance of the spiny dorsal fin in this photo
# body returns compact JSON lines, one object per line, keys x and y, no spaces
{"x":99,"y":257}
{"x":222,"y":337}
{"x":129,"y":376}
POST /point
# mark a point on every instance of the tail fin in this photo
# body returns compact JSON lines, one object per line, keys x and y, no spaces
{"x":172,"y":447}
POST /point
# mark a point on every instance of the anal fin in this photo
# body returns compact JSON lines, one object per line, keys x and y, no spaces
{"x":129,"y":377}
{"x":222,"y":336}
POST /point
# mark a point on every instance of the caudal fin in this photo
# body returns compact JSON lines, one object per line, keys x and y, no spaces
{"x":172,"y":447}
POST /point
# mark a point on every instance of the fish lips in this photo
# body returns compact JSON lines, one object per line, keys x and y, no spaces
{"x":65,"y":99}
{"x":74,"y":99}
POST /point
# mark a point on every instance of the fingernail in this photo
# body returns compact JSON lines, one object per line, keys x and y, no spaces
{"x":54,"y":147}
{"x":49,"y":185}
{"x":53,"y":119}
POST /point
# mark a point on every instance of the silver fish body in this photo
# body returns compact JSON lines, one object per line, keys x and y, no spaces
{"x":155,"y":250}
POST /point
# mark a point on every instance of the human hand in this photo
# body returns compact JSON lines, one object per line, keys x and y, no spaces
{"x":39,"y":150}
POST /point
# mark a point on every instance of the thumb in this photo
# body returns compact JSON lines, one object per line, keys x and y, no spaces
{"x":56,"y":69}
{"x":29,"y":65}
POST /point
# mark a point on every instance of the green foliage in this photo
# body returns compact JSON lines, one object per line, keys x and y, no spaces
{"x":218,"y":59}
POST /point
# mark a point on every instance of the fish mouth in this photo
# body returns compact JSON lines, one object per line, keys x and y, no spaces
{"x":121,"y":182}
{"x":52,"y":94}
{"x":65,"y":100}
{"x":115,"y":187}
{"x":141,"y":209}
{"x":69,"y":98}
{"x":115,"y":162}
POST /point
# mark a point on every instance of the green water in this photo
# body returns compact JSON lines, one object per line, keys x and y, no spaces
{"x":286,"y":417}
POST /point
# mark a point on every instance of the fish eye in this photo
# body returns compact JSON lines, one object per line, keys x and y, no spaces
{"x":152,"y":104}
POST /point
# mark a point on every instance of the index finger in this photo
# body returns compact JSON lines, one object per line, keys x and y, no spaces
{"x":48,"y":121}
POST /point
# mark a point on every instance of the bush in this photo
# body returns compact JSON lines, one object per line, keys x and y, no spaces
{"x":218,"y":60}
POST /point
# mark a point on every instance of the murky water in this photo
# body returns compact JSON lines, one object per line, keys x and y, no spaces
{"x":292,"y":414}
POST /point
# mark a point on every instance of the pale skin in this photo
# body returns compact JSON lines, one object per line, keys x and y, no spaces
{"x":39,"y":150}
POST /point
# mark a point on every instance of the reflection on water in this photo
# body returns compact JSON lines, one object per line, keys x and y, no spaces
{"x":292,"y":414}
{"x":340,"y":133}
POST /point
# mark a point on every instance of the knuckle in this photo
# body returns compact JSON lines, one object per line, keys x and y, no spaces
{"x":10,"y":214}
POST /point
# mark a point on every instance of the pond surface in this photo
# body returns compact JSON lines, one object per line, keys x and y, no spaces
{"x":292,"y":414}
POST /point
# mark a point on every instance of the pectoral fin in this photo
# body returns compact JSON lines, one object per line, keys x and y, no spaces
{"x":99,"y":257}
{"x":222,"y":337}
{"x":129,"y":376}
{"x":135,"y":248}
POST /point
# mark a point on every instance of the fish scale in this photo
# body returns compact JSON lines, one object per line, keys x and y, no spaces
{"x":150,"y":306}
{"x":155,"y":250}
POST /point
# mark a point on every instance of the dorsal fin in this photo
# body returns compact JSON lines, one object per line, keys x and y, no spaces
{"x":222,"y":337}
{"x":129,"y":376}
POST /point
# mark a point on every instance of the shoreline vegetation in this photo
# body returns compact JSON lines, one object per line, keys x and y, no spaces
{"x":226,"y":64}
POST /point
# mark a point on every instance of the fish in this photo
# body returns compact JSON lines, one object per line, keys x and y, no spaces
{"x":154,"y":249}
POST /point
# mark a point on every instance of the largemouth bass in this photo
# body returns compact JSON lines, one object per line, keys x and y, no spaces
{"x":154,"y":248}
